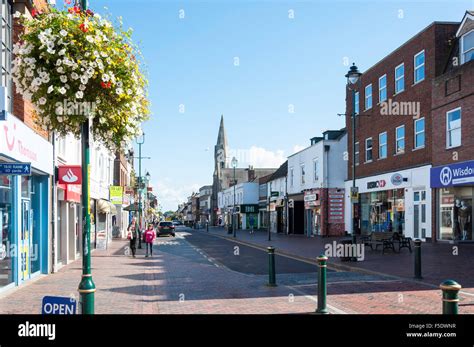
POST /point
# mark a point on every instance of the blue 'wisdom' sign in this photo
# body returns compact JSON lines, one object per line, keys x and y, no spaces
{"x":453,"y":175}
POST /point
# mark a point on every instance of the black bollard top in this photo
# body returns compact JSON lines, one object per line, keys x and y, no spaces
{"x":271,"y":249}
{"x":417,"y":242}
{"x":450,"y":285}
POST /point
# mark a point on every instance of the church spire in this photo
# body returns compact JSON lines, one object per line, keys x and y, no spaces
{"x":222,"y":137}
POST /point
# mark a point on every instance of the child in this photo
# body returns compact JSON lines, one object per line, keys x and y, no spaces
{"x":149,"y":238}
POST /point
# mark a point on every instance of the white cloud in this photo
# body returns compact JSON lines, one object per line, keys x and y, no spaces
{"x":258,"y":157}
{"x":171,"y":194}
{"x":297,"y":148}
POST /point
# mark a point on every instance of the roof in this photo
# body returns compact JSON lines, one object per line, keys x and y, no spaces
{"x":265,"y":179}
{"x":281,"y":172}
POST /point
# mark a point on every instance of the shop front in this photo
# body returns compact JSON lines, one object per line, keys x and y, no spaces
{"x":248,"y":216}
{"x":453,"y":186}
{"x":24,"y":202}
{"x":393,"y":202}
{"x":312,"y":205}
{"x":68,"y":241}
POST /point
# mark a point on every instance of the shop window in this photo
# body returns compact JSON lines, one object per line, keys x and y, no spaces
{"x":383,"y":211}
{"x":456,"y":214}
{"x":292,"y":176}
{"x":6,"y":231}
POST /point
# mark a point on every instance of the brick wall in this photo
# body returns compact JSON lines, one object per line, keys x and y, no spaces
{"x":22,"y":109}
{"x":433,"y":41}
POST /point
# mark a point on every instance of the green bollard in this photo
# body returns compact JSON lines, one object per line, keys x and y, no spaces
{"x":322,"y":291}
{"x":271,"y":267}
{"x":418,"y":259}
{"x":450,"y":291}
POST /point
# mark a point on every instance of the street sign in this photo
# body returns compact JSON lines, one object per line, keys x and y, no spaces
{"x":354,"y":194}
{"x":70,"y":174}
{"x":58,"y":305}
{"x":17,"y":169}
{"x":275,"y":194}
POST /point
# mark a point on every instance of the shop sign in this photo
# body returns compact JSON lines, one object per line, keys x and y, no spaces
{"x":70,"y":174}
{"x":275,"y":194}
{"x":336,"y":206}
{"x":72,"y":192}
{"x":452,"y":175}
{"x":376,"y":184}
{"x":21,"y":143}
{"x":248,"y":208}
{"x":397,"y":179}
{"x":310,"y":197}
{"x":58,"y":305}
{"x":116,"y":195}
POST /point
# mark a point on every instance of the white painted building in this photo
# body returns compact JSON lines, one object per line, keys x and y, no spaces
{"x":311,"y":173}
{"x":102,"y":210}
{"x":246,"y":203}
{"x":276,"y":196}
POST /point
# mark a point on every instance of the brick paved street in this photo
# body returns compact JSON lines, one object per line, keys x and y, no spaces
{"x":183,"y":277}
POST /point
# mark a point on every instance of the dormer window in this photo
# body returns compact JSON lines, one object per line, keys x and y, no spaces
{"x":467,"y":47}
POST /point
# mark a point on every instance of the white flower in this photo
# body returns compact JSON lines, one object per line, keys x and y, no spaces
{"x":105,"y":77}
{"x":59,"y":62}
{"x":63,"y":33}
{"x":129,"y":91}
{"x":62,"y":51}
{"x":17,"y":14}
{"x":51,"y":51}
{"x":50,"y":89}
{"x":79,"y":95}
{"x":60,"y":69}
{"x":74,"y":76}
{"x":119,"y":91}
{"x":62,"y":90}
{"x":84,"y":79}
{"x":42,"y":101}
{"x":90,"y":38}
{"x":63,"y":78}
{"x":82,"y":87}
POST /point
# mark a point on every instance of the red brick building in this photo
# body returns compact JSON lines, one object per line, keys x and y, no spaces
{"x":452,"y":176}
{"x":394,"y":136}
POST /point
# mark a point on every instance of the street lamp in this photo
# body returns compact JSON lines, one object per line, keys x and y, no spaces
{"x":234,"y":165}
{"x":140,"y":143}
{"x":353,"y":83}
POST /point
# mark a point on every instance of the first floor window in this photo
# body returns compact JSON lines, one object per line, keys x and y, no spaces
{"x":400,"y":139}
{"x":303,"y":173}
{"x":467,"y":47}
{"x":420,"y":133}
{"x":356,"y":156}
{"x":399,"y":78}
{"x":383,"y":145}
{"x":453,"y":124}
{"x":368,"y":97}
{"x":368,"y":149}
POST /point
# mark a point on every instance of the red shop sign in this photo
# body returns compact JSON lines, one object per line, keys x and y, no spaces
{"x":71,"y":174}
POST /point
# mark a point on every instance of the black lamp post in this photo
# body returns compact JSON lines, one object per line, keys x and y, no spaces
{"x":234,"y":165}
{"x":353,"y":83}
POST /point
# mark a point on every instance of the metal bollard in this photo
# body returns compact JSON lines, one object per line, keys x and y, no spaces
{"x":450,"y":290}
{"x":418,"y":259}
{"x":271,"y":267}
{"x":322,"y":291}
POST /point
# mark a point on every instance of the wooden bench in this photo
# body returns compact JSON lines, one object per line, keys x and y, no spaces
{"x":403,"y":242}
{"x":384,"y":239}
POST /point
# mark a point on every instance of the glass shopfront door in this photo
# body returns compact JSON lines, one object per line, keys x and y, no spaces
{"x":26,"y":240}
{"x":455,"y":214}
{"x":419,"y":214}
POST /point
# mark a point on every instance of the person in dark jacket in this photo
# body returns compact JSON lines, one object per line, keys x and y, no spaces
{"x":133,"y":236}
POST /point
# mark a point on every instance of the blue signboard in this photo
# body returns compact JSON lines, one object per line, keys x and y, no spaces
{"x":58,"y":305}
{"x":17,"y":169}
{"x":459,"y":174}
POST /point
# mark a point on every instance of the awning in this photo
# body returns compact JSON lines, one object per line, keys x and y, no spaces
{"x":131,"y":208}
{"x":104,"y":206}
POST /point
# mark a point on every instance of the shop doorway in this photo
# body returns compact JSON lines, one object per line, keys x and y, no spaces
{"x":26,"y":240}
{"x":419,"y":214}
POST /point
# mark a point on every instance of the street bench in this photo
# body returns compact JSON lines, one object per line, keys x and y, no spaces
{"x":377,"y":238}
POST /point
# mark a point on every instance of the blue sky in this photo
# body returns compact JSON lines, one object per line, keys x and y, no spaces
{"x":251,"y":62}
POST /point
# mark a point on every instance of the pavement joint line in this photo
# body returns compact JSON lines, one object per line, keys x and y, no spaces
{"x":312,"y":298}
{"x":340,"y":267}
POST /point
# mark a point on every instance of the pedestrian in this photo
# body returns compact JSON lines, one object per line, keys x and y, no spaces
{"x":251,"y":221}
{"x":149,"y":238}
{"x":133,"y":235}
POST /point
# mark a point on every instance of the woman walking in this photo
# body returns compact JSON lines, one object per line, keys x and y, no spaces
{"x":149,"y":238}
{"x":133,"y":235}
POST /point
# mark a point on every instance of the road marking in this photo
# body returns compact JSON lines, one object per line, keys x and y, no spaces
{"x":312,"y":298}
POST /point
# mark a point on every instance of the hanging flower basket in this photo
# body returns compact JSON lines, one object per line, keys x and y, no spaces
{"x":74,"y":64}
